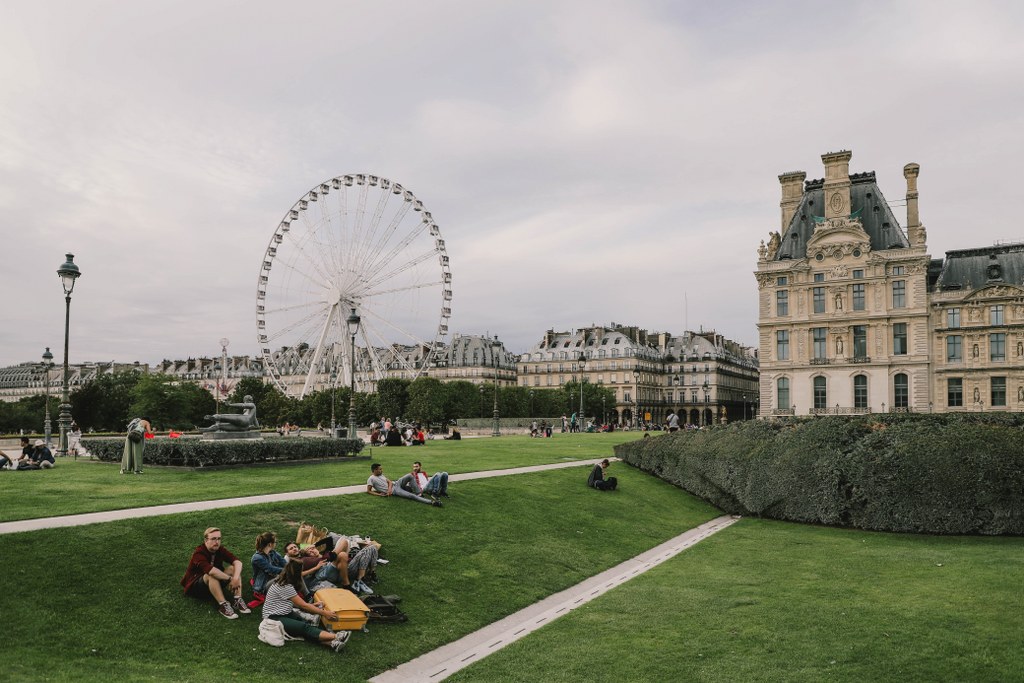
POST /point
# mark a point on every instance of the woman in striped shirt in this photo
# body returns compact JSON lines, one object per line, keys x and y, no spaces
{"x":283,"y":594}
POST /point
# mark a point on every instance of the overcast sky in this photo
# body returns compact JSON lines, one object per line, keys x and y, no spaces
{"x":587,"y":162}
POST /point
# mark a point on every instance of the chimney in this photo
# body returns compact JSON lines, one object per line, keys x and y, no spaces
{"x":837,"y":184}
{"x":792,"y":190}
{"x":915,"y":231}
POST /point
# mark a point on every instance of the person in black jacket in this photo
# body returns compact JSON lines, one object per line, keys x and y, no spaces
{"x":598,"y":480}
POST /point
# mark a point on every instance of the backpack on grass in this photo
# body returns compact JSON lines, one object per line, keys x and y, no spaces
{"x":384,"y":610}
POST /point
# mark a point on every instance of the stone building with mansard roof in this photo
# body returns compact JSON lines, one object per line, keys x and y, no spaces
{"x":855,"y":317}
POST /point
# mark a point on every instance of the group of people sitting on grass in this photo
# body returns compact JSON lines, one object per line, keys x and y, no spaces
{"x":391,"y":435}
{"x":34,"y":456}
{"x":283,"y":585}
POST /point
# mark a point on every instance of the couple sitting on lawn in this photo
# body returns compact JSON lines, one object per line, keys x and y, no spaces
{"x":416,"y":485}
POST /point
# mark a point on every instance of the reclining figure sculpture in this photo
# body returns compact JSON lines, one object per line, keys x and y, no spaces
{"x":235,"y":422}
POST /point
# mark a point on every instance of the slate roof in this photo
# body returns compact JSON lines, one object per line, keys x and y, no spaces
{"x":867,"y":203}
{"x":976,"y":268}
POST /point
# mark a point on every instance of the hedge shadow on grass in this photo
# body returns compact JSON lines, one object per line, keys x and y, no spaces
{"x":943,"y":474}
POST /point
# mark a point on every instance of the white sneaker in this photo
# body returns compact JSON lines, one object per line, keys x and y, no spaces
{"x":338,"y":644}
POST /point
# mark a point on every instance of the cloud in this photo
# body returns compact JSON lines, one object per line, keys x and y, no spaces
{"x":587,"y":162}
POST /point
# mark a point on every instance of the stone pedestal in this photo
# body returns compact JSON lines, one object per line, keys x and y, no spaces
{"x":220,"y":436}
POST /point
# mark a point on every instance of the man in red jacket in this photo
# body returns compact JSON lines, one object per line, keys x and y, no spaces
{"x":206,"y":576}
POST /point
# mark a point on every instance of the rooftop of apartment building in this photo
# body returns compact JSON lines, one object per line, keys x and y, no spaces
{"x":969,"y":269}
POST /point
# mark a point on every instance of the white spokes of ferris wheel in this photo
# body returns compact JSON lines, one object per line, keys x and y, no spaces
{"x":353,"y":244}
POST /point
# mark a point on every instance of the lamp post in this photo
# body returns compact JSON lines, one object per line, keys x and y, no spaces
{"x":604,"y":416}
{"x":704,"y":413}
{"x":481,"y":401}
{"x":583,"y":378}
{"x":744,"y":407}
{"x":334,"y":391}
{"x":636,"y":397}
{"x":495,"y":347}
{"x":68,"y":273}
{"x":47,"y":364}
{"x":223,"y":368}
{"x":353,"y":327}
{"x":531,"y":404}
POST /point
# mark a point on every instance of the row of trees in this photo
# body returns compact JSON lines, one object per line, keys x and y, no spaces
{"x":107,"y":403}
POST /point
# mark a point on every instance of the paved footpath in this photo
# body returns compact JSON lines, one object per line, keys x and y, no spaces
{"x":195,"y":506}
{"x":446,"y":660}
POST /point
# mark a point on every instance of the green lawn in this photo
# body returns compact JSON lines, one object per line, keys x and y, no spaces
{"x":84,"y":486}
{"x":770,"y":601}
{"x":102,"y":602}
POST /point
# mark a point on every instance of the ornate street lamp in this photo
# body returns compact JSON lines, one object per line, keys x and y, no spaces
{"x":353,"y":327}
{"x":604,"y":416}
{"x":531,"y":403}
{"x":47,"y":365}
{"x":704,"y":413}
{"x":68,"y":273}
{"x":334,"y":391}
{"x":744,"y":407}
{"x":583,"y":378}
{"x":481,"y":401}
{"x":636,"y":397}
{"x":495,"y":347}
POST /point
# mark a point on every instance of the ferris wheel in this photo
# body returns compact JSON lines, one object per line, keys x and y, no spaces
{"x":358,"y":256}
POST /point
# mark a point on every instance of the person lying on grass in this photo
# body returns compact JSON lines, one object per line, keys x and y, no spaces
{"x":206,"y":578}
{"x":267,"y":563}
{"x":284,"y":594}
{"x":379,"y":485}
{"x":347,"y":564}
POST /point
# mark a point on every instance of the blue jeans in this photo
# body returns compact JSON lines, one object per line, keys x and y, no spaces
{"x":438,"y":484}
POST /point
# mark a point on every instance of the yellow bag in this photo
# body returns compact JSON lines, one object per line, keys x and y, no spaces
{"x":351,"y":611}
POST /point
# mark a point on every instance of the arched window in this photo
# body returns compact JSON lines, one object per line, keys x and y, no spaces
{"x":783,"y":393}
{"x":900,"y":391}
{"x":860,"y":391}
{"x":820,"y":394}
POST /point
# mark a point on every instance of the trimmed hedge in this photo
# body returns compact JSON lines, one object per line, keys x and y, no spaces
{"x":942,"y":474}
{"x":199,"y":453}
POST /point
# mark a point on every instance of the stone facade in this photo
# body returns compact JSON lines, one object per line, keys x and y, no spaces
{"x":700,"y":375}
{"x":852,"y":311}
{"x":977,"y":321}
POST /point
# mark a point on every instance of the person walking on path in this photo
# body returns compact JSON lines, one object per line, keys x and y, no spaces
{"x":135,"y":444}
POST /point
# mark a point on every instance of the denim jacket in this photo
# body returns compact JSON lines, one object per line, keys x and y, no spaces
{"x":265,"y":568}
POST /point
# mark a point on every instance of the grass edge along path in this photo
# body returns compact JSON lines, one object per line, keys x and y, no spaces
{"x":65,"y":521}
{"x":81,"y":487}
{"x":445,"y":661}
{"x":779,"y":601}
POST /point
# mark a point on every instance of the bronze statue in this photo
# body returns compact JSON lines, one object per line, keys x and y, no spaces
{"x":235,"y":422}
